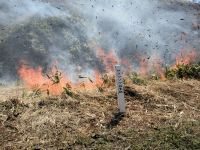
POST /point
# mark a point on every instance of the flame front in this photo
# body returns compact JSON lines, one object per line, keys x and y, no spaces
{"x":35,"y":78}
{"x":109,"y":59}
{"x":185,"y":57}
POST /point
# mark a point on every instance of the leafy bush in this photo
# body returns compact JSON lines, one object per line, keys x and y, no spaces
{"x":184,"y":71}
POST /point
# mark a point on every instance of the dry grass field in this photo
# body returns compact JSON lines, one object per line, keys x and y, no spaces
{"x":160,"y":115}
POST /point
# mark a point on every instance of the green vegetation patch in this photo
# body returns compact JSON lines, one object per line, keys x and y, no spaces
{"x":183,"y":71}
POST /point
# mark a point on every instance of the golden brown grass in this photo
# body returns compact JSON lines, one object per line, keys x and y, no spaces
{"x":160,"y":115}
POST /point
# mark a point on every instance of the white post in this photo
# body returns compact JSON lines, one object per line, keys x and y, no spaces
{"x":120,"y":89}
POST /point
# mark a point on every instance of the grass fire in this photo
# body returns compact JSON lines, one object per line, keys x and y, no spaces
{"x":66,"y":67}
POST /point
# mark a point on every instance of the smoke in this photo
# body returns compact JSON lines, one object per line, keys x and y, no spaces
{"x":17,"y":11}
{"x":150,"y":27}
{"x":68,"y":33}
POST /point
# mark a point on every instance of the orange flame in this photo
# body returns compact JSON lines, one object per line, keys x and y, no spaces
{"x":33,"y":78}
{"x":143,"y":70}
{"x":109,"y":59}
{"x":148,"y":64}
{"x":185,"y":57}
{"x":143,"y":63}
{"x":157,"y":66}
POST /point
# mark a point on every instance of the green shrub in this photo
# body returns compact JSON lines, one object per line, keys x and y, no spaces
{"x":184,"y":71}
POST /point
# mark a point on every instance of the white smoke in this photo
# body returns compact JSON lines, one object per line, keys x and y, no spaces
{"x":154,"y":27}
{"x":151,"y":27}
{"x":195,"y":1}
{"x":19,"y":11}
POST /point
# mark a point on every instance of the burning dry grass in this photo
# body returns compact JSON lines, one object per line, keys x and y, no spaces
{"x":160,"y":115}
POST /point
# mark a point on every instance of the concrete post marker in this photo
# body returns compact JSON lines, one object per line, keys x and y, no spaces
{"x":120,"y":89}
